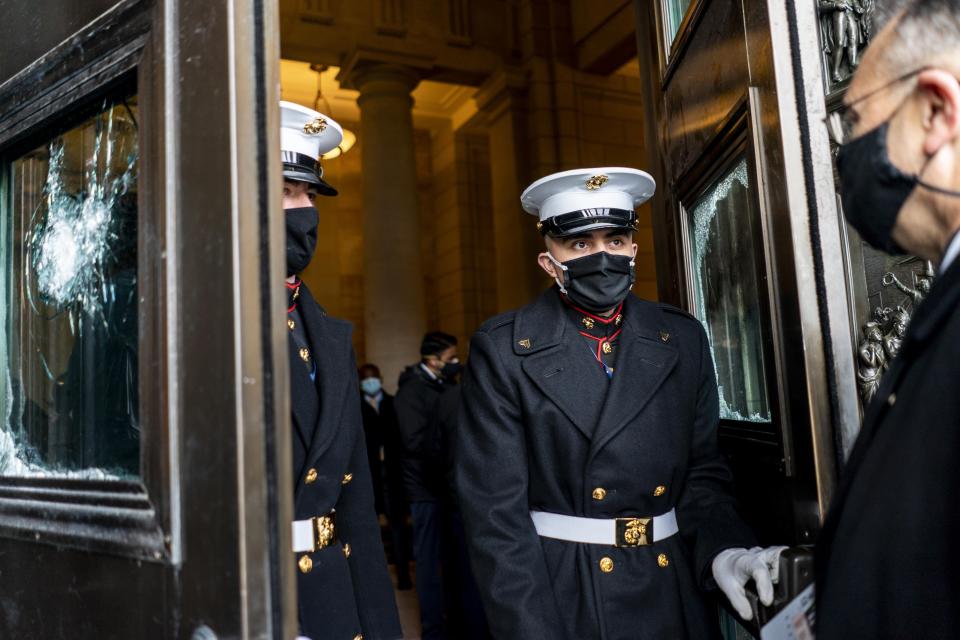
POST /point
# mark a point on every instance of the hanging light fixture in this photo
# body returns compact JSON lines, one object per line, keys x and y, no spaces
{"x":349,"y":137}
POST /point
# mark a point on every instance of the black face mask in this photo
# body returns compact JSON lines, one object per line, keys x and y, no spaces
{"x":872,"y":189}
{"x":301,"y":237}
{"x":450,"y":370}
{"x":597,"y":282}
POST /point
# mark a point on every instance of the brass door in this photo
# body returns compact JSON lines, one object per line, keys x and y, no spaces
{"x":748,"y":240}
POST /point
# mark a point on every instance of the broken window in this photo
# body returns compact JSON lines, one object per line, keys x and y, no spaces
{"x":68,"y":303}
{"x":724,"y":233}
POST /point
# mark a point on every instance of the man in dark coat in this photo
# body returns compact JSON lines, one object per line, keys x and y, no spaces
{"x":464,"y":607}
{"x":596,"y":503}
{"x":887,"y":560}
{"x":421,"y":386}
{"x":344,"y":590}
{"x":384,"y":453}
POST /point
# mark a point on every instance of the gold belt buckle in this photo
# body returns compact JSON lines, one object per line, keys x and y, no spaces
{"x":324,"y":531}
{"x":634,"y":532}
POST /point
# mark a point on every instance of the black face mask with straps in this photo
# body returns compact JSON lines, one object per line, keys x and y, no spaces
{"x":873,"y":190}
{"x":597,"y":282}
{"x":301,"y":225}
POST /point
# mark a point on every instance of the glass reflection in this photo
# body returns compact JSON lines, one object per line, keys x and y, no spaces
{"x":723,"y":232}
{"x":673,"y":11}
{"x":68,"y":320}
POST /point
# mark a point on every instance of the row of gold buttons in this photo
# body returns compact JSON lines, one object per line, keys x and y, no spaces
{"x":311,"y":477}
{"x":606,"y":563}
{"x":600,"y":493}
{"x":306,"y":564}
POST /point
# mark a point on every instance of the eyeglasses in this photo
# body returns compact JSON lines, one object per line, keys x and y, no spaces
{"x":841,"y":122}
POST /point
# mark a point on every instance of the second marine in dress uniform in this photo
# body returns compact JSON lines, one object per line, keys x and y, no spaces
{"x":343,"y":589}
{"x":596,"y":502}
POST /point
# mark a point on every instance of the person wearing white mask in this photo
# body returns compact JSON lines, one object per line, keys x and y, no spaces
{"x":384,"y":449}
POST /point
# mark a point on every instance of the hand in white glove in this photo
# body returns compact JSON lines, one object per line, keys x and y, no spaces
{"x":733,"y":568}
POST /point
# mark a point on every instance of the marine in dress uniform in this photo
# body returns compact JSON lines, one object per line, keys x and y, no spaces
{"x":596,"y":502}
{"x":343,"y":589}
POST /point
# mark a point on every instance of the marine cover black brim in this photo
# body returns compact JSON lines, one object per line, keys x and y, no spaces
{"x":300,"y":174}
{"x":587,"y":220}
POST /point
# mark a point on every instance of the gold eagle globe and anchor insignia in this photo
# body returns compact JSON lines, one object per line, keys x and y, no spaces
{"x":315,"y":126}
{"x":595,"y":182}
{"x":633,"y":532}
{"x":325,"y":530}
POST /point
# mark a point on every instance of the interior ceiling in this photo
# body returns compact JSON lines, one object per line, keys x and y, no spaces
{"x":435,"y":103}
{"x":631,"y":68}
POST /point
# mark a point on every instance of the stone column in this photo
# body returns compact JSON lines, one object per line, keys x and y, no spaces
{"x":516,"y":242}
{"x":394,"y":313}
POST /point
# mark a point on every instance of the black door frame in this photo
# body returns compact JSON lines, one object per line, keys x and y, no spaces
{"x":199,"y":542}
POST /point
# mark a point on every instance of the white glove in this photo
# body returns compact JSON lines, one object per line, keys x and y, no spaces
{"x":733,"y":568}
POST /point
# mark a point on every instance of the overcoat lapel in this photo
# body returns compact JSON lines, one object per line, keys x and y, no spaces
{"x":559,"y":363}
{"x":331,"y":349}
{"x":304,"y":404}
{"x":644,"y":361}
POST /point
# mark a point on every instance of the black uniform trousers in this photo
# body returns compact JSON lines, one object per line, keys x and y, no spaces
{"x":888,"y":558}
{"x":542,"y":428}
{"x":342,"y":595}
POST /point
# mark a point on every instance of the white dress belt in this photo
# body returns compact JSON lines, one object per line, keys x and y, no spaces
{"x":313,"y":534}
{"x":599,"y":530}
{"x":302,"y":536}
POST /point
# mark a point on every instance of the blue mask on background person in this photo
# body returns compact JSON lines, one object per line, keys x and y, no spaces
{"x":371,"y":386}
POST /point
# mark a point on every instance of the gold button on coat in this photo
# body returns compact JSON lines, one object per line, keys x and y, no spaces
{"x":347,"y":478}
{"x":305,"y":564}
{"x":359,"y":636}
{"x":305,"y":354}
{"x":659,"y":491}
{"x":311,"y":476}
{"x":347,"y":550}
{"x":291,"y":324}
{"x":606,"y":564}
{"x":663,"y":561}
{"x":599,"y":493}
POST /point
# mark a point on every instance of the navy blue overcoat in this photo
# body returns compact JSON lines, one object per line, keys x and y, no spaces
{"x":542,"y":428}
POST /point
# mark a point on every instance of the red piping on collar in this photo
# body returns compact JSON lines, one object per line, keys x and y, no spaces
{"x":613,"y":316}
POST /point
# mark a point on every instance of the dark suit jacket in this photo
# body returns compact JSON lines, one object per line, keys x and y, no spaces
{"x":541,"y":427}
{"x":340,"y":597}
{"x":422,"y":458}
{"x":888,"y":557}
{"x":382,"y":430}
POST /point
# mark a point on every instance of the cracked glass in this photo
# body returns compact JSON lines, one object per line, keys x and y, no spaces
{"x":724,"y":232}
{"x":68,"y":303}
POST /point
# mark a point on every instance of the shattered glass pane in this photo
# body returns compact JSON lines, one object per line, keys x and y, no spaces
{"x":726,"y":264}
{"x":69,"y":402}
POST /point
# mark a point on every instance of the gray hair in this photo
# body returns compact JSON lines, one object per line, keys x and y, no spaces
{"x":927,"y":31}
